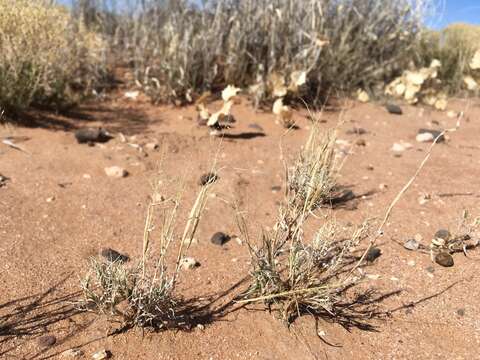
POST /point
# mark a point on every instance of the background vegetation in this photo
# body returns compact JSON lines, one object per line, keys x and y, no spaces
{"x":175,"y":50}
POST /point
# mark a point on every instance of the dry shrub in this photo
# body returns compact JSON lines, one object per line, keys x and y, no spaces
{"x":177,"y":47}
{"x":144,"y":294}
{"x":294,"y":275}
{"x":46,"y":55}
{"x":454,"y":47}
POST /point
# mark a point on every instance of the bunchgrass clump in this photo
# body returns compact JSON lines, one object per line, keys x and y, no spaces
{"x":144,"y":294}
{"x":48,"y":57}
{"x":290,"y":273}
{"x":313,"y":177}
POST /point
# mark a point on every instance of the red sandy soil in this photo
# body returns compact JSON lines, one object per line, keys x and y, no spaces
{"x":45,"y":245}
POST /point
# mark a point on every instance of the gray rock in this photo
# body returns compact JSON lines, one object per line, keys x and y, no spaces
{"x":444,"y":259}
{"x":411,"y":244}
{"x":92,"y":135}
{"x":394,"y":109}
{"x":373,"y":254}
{"x":46,"y":341}
{"x":219,"y":238}
{"x":442,"y":234}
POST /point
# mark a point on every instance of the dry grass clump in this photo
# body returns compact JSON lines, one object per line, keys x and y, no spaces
{"x":290,"y":273}
{"x":144,"y":294}
{"x":313,"y":178}
{"x":178,"y":49}
{"x":47,"y":56}
{"x":454,"y":47}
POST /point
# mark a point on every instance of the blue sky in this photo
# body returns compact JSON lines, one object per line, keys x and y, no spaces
{"x":457,"y":11}
{"x":449,"y":11}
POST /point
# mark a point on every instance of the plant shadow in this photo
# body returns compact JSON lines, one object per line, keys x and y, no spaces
{"x":125,"y":119}
{"x":30,"y":317}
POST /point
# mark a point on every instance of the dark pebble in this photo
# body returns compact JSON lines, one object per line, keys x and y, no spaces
{"x":113,"y":255}
{"x":276,"y":188}
{"x":444,"y":259}
{"x":91,"y":135}
{"x":460,"y":312}
{"x":207,"y":178}
{"x":430,"y":269}
{"x":219,"y":238}
{"x":394,"y":109}
{"x":361,"y":142}
{"x":435,"y":134}
{"x":442,"y":234}
{"x":46,"y":341}
{"x":373,"y":254}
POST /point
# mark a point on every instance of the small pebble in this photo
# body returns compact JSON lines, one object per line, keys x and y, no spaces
{"x":189,"y":263}
{"x":401,"y":146}
{"x":373,"y":254}
{"x":219,"y":238}
{"x":430,"y":269}
{"x":152,"y":146}
{"x":207,"y":178}
{"x":116,"y":172}
{"x":434,"y":134}
{"x":101,"y":355}
{"x":424,"y":137}
{"x":72,"y":353}
{"x":113,"y":255}
{"x":394,"y":109}
{"x":411,"y":244}
{"x":46,"y":341}
{"x":383,"y":186}
{"x":460,"y":312}
{"x":50,"y":199}
{"x":423,"y":199}
{"x":444,"y":259}
{"x":201,"y":327}
{"x":361,"y":142}
{"x":442,"y":234}
{"x":411,"y":263}
{"x":276,"y":188}
{"x":91,"y":135}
